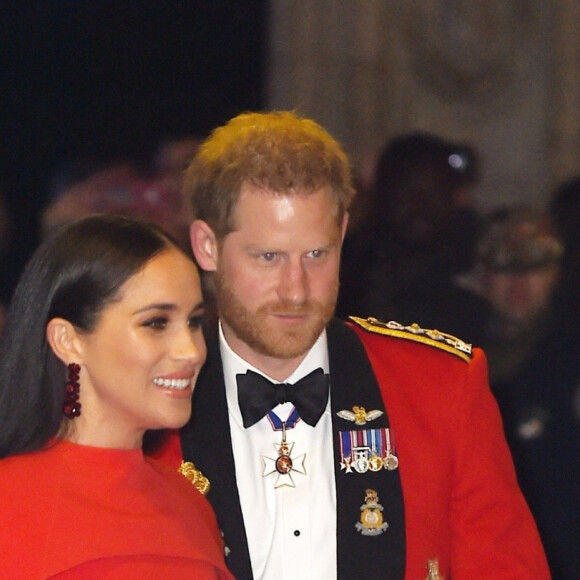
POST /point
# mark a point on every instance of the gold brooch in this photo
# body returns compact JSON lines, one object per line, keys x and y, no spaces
{"x":201,"y":483}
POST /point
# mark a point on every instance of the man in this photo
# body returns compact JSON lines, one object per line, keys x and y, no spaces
{"x":400,"y":470}
{"x":534,"y":370}
{"x":419,"y":230}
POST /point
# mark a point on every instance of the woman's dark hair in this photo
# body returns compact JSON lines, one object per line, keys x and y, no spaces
{"x":73,"y":275}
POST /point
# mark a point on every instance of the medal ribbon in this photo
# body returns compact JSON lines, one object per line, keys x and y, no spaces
{"x":345,"y":444}
{"x":380,"y":441}
{"x":276,"y":422}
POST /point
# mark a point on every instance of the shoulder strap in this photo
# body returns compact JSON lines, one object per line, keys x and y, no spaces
{"x":414,"y":332}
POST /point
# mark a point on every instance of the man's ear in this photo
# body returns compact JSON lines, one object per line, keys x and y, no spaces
{"x":204,"y":245}
{"x":62,"y":337}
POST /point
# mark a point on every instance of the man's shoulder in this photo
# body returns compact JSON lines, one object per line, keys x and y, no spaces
{"x":416,"y":334}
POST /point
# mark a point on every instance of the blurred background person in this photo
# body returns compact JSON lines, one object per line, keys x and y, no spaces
{"x":419,"y":230}
{"x":101,"y":352}
{"x":517,"y":272}
{"x":169,"y":162}
{"x":150,"y":191}
{"x":534,"y":368}
{"x":173,"y":154}
{"x":564,"y":208}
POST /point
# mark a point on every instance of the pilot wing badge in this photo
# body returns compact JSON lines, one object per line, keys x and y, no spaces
{"x":359,"y":415}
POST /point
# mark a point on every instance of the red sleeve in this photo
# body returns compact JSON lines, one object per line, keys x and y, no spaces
{"x":493,"y":533}
{"x":463,"y":505}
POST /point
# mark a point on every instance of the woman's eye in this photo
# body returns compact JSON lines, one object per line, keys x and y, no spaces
{"x":195,"y":321}
{"x":158,"y":323}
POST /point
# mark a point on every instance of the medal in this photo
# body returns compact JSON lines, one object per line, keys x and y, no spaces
{"x":361,"y":459}
{"x":391,"y":462}
{"x":367,"y":450}
{"x":284,"y":464}
{"x":375,"y":463}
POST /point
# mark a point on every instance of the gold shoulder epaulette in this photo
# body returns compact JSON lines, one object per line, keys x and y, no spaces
{"x":195,"y":476}
{"x":435,"y":338}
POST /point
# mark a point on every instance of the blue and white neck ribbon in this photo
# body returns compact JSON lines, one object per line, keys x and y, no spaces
{"x":278,"y":424}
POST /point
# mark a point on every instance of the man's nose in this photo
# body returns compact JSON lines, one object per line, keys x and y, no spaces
{"x":294,"y":282}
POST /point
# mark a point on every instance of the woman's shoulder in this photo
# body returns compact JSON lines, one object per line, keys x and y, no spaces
{"x":27,"y":465}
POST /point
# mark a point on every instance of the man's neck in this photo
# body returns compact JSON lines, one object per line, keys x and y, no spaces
{"x":275,"y":368}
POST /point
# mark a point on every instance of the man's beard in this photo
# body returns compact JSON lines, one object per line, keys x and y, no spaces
{"x":259,"y":332}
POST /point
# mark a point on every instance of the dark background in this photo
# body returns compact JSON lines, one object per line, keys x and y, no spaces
{"x":110,"y":79}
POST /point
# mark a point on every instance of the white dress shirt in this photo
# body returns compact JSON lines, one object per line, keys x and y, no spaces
{"x":291,"y":531}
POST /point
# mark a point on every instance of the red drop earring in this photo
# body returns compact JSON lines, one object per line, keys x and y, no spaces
{"x":72,"y":407}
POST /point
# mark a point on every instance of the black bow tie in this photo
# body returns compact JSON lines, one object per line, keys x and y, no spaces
{"x":257,"y":396}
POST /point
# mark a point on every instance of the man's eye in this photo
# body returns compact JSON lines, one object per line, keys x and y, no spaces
{"x":316,"y":253}
{"x":269,"y":256}
{"x":158,"y":323}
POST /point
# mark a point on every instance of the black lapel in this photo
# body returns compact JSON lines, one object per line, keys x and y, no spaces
{"x":206,"y":441}
{"x":353,"y":383}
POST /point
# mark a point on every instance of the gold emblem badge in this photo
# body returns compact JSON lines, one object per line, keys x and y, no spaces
{"x":371,"y":517}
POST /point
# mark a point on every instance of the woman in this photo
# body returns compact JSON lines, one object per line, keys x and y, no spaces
{"x":103,"y":343}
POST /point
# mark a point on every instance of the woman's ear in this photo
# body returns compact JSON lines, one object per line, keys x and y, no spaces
{"x":62,"y":337}
{"x":204,"y":245}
